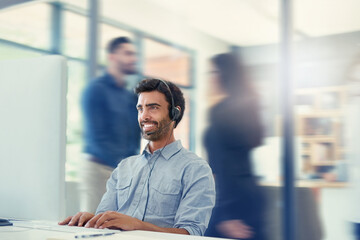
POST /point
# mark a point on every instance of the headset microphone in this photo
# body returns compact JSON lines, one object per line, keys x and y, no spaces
{"x":150,"y":133}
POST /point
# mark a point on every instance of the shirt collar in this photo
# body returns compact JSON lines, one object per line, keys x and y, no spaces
{"x":167,"y":152}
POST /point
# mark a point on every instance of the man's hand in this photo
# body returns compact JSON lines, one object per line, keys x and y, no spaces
{"x":235,"y":229}
{"x":78,"y":220}
{"x":116,"y":220}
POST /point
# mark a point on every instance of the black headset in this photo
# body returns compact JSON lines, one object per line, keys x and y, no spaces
{"x":174,"y":112}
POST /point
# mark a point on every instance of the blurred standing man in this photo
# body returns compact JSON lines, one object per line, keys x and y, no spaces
{"x":111,"y":129}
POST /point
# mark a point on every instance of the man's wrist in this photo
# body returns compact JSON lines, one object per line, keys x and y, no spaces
{"x":140,"y":225}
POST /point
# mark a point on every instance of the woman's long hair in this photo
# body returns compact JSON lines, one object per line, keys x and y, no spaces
{"x":234,"y":77}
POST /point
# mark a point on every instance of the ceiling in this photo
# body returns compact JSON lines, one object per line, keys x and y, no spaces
{"x":257,"y":22}
{"x":254,"y":22}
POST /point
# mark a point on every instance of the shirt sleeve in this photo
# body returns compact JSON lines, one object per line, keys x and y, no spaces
{"x":109,"y":199}
{"x":197,"y":200}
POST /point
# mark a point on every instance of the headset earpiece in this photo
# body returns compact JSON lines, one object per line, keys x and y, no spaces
{"x":175,"y":113}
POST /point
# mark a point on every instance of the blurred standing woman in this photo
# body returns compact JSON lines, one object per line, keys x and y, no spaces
{"x":234,"y":131}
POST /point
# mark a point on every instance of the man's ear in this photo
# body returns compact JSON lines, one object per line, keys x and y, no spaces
{"x":176,"y":113}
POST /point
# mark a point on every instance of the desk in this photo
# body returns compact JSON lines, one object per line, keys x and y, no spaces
{"x":308,"y":184}
{"x":22,"y":233}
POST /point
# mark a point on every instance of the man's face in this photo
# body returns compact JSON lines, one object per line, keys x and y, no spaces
{"x":153,"y":115}
{"x":215,"y":87}
{"x":124,"y":58}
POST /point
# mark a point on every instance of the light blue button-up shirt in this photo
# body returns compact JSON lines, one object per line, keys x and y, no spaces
{"x":174,"y":185}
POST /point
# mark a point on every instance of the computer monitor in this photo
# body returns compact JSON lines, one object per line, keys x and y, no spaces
{"x":33,"y":138}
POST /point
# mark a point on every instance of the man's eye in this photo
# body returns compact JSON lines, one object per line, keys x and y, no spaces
{"x":154,"y":107}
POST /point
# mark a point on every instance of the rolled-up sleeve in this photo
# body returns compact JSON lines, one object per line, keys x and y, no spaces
{"x":197,"y":200}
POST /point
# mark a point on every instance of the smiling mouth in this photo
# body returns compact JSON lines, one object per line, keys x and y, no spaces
{"x":148,"y":126}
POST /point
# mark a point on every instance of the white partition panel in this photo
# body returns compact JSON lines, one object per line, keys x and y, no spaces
{"x":33,"y":138}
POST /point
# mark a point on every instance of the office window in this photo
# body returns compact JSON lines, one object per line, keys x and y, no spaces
{"x":9,"y":52}
{"x":172,"y":64}
{"x":28,"y":25}
{"x":167,"y":62}
{"x":107,"y":33}
{"x":75,"y":35}
{"x":82,"y":4}
{"x":74,"y":132}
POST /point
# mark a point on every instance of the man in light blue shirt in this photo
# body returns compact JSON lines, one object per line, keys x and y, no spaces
{"x":164,"y":189}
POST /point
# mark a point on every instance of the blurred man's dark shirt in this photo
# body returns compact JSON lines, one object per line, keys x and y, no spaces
{"x":110,"y":116}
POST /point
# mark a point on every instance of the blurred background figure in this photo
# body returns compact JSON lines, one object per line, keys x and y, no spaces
{"x":111,"y":129}
{"x":234,"y":131}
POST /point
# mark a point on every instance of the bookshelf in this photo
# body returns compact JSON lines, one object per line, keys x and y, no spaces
{"x":319,"y":115}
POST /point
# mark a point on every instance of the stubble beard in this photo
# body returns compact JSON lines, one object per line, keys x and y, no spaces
{"x":159,"y":133}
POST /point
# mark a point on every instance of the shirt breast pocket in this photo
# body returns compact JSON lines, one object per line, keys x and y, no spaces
{"x":164,"y":197}
{"x":123,"y":191}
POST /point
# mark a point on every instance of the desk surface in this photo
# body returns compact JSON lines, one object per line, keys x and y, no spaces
{"x":23,"y":233}
{"x":309,"y":184}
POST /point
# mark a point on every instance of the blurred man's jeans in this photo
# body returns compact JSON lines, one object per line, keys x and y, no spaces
{"x":92,"y":185}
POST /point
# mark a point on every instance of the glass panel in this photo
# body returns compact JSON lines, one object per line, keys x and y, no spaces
{"x":28,"y":24}
{"x":107,"y":33}
{"x":166,"y":62}
{"x":76,"y":83}
{"x":325,"y":62}
{"x":75,"y":35}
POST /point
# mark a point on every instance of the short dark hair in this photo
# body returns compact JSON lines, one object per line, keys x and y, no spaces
{"x":116,"y":42}
{"x":154,"y":84}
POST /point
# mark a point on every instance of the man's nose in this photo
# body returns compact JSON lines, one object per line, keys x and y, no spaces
{"x":144,"y":116}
